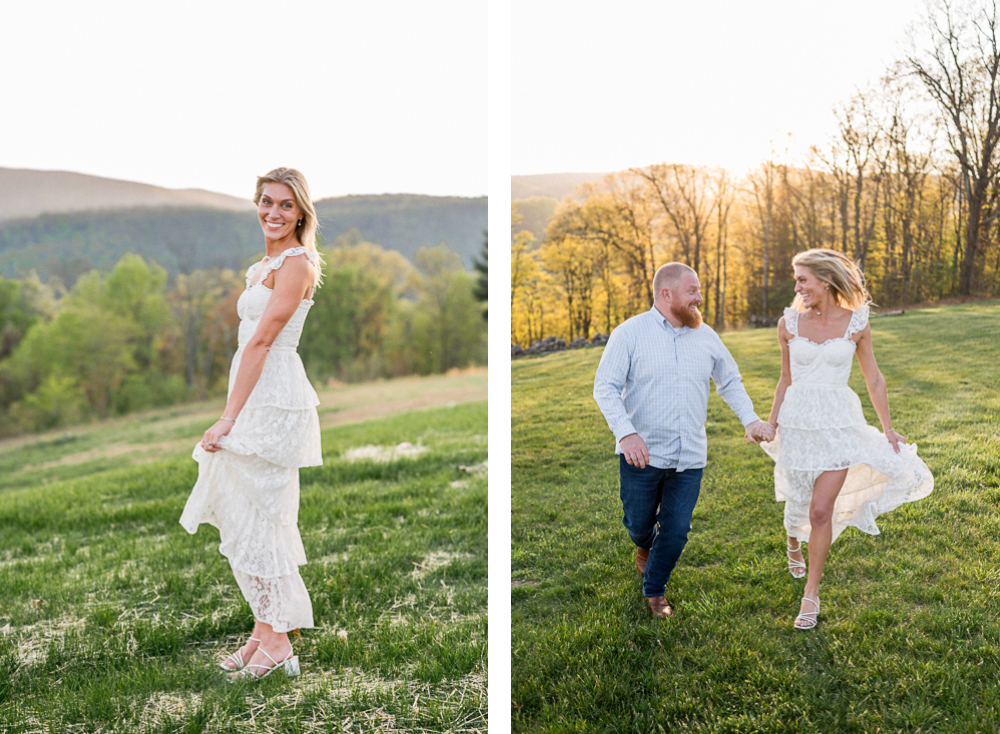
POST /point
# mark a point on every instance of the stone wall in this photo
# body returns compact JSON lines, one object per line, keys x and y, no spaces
{"x":551,"y":344}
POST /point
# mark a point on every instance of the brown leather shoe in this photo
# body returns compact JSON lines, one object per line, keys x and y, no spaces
{"x":640,"y":560}
{"x":660,"y":607}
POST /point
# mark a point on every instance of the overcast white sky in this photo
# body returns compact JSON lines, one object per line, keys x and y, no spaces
{"x":380,"y":96}
{"x":600,"y":86}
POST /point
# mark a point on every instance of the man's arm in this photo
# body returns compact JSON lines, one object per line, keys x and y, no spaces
{"x":729,"y":385}
{"x":609,"y":381}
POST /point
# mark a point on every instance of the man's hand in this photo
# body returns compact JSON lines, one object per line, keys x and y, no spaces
{"x":634,"y":450}
{"x":759,"y":431}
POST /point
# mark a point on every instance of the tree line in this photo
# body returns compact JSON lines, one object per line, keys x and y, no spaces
{"x":132,"y":338}
{"x":68,"y":244}
{"x":909,"y":186}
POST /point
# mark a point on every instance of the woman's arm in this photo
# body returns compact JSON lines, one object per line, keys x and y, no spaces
{"x":786,"y":374}
{"x":876,"y":385}
{"x":290,"y":283}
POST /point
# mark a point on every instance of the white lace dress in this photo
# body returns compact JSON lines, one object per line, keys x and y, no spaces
{"x":821,"y":427}
{"x":250,"y":489}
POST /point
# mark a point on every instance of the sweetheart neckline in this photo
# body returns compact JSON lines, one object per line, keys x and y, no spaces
{"x":823,"y":344}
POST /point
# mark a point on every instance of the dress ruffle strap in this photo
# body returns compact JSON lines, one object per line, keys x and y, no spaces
{"x":275,"y":263}
{"x":792,"y":321}
{"x":859,"y":320}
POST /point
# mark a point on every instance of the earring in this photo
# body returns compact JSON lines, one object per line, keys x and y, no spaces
{"x":302,"y":220}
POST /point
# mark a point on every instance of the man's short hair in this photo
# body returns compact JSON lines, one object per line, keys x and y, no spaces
{"x":668,"y":275}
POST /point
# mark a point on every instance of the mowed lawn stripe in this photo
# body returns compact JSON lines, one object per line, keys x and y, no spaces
{"x":908,"y":638}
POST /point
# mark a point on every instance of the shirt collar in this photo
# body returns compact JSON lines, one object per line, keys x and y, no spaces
{"x":662,"y":321}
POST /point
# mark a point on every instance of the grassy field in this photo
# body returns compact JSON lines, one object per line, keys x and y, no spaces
{"x":908,"y":640}
{"x":112,"y":616}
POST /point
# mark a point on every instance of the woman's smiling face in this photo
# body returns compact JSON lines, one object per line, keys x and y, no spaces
{"x":809,"y":287}
{"x":278,"y":212}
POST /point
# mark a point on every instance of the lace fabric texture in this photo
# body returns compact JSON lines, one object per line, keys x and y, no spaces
{"x":250,"y":489}
{"x":821,"y":427}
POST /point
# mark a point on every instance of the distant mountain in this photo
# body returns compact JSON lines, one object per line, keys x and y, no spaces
{"x":69,"y":244}
{"x":535,"y":213}
{"x":28,"y":193}
{"x":181,"y":240}
{"x":404,"y":222}
{"x":549,"y":185}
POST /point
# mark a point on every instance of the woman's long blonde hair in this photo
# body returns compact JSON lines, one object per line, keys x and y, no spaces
{"x":305,"y":232}
{"x":838,"y":271}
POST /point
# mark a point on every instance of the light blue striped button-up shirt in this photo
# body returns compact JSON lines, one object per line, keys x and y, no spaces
{"x":653,"y":380}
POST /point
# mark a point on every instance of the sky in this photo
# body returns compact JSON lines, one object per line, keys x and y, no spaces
{"x":598,"y":87}
{"x":381,"y":96}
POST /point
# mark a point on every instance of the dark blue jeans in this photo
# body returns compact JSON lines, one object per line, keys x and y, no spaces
{"x":658,"y":504}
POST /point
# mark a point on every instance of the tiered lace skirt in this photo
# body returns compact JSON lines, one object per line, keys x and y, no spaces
{"x":250,"y":491}
{"x":823,"y":428}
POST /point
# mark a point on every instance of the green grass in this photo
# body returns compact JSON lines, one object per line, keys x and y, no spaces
{"x":113,"y":616}
{"x":162,"y":433}
{"x":908,"y":639}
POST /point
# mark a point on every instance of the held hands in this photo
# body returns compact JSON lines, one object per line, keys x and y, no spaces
{"x":894,"y":439}
{"x":634,"y":450}
{"x":759,"y":431}
{"x":210,"y":442}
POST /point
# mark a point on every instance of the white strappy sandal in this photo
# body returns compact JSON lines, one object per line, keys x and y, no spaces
{"x":236,"y":659}
{"x":290,"y":665}
{"x":809,"y":618}
{"x":796,"y":568}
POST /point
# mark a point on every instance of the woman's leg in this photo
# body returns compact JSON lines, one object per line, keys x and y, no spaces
{"x":825,"y":491}
{"x":795,"y":555}
{"x":249,"y":648}
{"x":794,"y":489}
{"x":277,"y":645}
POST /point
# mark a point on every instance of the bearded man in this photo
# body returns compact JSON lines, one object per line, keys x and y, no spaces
{"x":652,"y":386}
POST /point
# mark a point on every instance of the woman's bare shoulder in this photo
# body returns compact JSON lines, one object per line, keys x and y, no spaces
{"x":296,"y":261}
{"x":294,"y":266}
{"x":783,"y":333}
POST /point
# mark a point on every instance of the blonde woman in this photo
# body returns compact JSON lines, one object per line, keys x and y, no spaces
{"x":248,"y":462}
{"x":832,"y":470}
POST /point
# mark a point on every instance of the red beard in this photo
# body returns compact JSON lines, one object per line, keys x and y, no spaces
{"x":689,"y":317}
